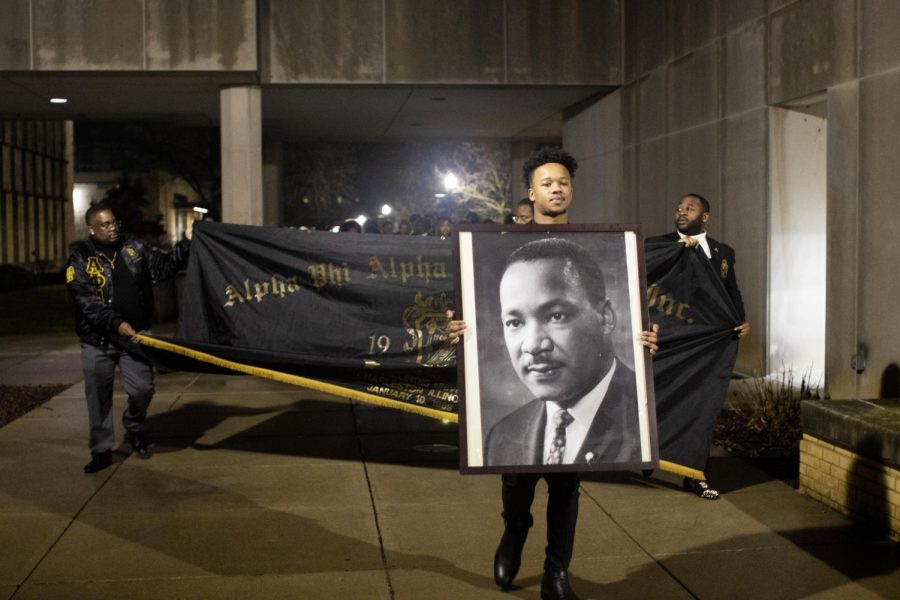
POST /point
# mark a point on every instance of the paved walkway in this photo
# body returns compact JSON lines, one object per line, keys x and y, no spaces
{"x":260,"y":490}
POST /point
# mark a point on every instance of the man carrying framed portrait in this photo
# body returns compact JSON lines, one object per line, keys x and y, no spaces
{"x":554,"y":314}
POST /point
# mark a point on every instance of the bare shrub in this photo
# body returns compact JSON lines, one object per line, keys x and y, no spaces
{"x":765,"y":418}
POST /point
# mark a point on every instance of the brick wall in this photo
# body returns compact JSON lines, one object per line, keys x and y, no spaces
{"x":858,"y":487}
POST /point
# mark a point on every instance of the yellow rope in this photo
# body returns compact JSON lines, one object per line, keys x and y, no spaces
{"x":346,"y":392}
{"x":681,"y":470}
{"x":297,"y":380}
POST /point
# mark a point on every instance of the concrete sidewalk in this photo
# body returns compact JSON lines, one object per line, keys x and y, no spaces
{"x":260,"y":490}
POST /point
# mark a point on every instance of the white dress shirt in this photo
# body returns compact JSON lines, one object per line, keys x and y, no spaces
{"x":583,"y":413}
{"x":700,"y":237}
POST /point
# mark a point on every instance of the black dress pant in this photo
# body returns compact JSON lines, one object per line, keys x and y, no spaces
{"x":562,"y":511}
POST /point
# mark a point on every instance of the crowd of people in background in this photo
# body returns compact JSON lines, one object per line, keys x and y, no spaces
{"x":433,"y":224}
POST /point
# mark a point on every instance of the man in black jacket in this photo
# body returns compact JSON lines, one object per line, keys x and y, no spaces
{"x":110,"y":281}
{"x":691,"y":217}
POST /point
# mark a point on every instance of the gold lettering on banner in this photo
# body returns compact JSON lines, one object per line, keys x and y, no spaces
{"x":666,"y":304}
{"x":262,"y":290}
{"x":426,"y":329}
{"x":404,"y":270}
{"x":323,"y":274}
{"x":412,"y":389}
{"x":248,"y":290}
{"x":440,"y":399}
{"x":382,"y":343}
{"x":233,"y":295}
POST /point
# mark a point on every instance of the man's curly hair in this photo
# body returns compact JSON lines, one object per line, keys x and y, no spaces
{"x":548,"y":155}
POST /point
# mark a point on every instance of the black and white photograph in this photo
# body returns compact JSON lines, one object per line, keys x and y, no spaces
{"x":552,"y":374}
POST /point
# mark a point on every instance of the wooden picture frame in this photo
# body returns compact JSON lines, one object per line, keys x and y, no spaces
{"x":553,"y":316}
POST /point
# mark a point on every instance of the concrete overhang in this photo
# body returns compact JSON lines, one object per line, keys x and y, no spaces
{"x":368,"y":112}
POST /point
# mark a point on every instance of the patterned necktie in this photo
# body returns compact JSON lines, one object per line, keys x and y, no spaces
{"x":561,"y":420}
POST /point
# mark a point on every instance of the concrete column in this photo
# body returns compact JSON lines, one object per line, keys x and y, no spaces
{"x":242,"y":172}
{"x":844,"y":275}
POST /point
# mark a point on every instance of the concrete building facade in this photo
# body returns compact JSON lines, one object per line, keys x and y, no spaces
{"x":704,"y":97}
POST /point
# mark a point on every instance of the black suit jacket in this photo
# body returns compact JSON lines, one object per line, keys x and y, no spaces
{"x":614,"y":435}
{"x":723,"y":262}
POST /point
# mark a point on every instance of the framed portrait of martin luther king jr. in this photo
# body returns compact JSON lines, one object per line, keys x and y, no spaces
{"x":552,"y":376}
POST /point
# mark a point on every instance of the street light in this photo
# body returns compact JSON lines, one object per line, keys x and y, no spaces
{"x":386,"y":210}
{"x":361,"y":219}
{"x":451,"y":182}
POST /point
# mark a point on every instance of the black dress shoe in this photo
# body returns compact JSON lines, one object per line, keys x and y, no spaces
{"x":508,"y":557}
{"x":555,"y":586}
{"x":138,"y":442}
{"x":99,"y":461}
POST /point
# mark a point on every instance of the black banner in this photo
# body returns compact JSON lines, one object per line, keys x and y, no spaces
{"x":698,"y":347}
{"x":364,"y":315}
{"x":366,"y":312}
